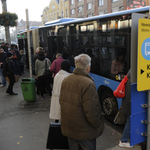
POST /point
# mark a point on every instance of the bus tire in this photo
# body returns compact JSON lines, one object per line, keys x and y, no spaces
{"x":109,"y":105}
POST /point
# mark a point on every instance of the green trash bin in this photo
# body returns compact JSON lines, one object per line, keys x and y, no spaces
{"x":28,"y":89}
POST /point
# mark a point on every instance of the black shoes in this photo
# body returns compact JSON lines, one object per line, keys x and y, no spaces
{"x":13,"y":93}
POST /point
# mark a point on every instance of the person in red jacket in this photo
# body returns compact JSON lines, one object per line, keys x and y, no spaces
{"x":56,"y":65}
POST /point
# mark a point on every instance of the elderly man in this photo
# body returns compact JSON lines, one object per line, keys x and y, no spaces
{"x":81,"y":115}
{"x":2,"y":60}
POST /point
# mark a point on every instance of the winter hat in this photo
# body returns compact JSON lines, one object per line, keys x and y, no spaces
{"x":65,"y":65}
{"x":6,"y":44}
{"x":9,"y":54}
{"x":41,"y":53}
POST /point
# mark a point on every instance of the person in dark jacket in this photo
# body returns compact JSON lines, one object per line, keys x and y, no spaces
{"x":2,"y":60}
{"x":81,"y":114}
{"x":9,"y":71}
{"x":126,"y":109}
{"x":6,"y":47}
{"x":16,"y":59}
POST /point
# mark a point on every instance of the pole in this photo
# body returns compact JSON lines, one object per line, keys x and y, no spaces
{"x":7,"y":34}
{"x":148,"y":112}
{"x":28,"y":38}
{"x":148,"y":124}
{"x":149,"y":7}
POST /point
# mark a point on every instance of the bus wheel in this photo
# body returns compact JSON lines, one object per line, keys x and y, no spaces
{"x":109,"y":105}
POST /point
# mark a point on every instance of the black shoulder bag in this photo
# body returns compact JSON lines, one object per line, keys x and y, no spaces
{"x":47,"y":71}
{"x":55,"y":139}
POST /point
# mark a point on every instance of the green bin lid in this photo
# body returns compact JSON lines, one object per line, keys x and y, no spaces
{"x":28,"y":80}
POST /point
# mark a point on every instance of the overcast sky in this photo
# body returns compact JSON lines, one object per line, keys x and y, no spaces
{"x":35,"y":8}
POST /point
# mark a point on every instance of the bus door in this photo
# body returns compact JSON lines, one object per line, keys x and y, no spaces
{"x":20,"y":43}
{"x":55,"y":45}
{"x":72,"y":43}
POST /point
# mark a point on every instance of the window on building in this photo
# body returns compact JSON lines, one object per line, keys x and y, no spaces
{"x":72,"y":2}
{"x":72,"y":11}
{"x":114,"y":0}
{"x":115,"y":10}
{"x":101,"y":13}
{"x":53,"y":6}
{"x":66,"y":13}
{"x":62,"y":14}
{"x":89,"y":5}
{"x":120,"y":8}
{"x":57,"y":15}
{"x":89,"y":15}
{"x":80,"y":9}
{"x":101,"y":2}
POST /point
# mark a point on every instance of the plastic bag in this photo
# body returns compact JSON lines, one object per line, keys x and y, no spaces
{"x":120,"y":91}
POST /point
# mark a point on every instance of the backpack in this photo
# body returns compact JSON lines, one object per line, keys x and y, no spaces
{"x":14,"y":53}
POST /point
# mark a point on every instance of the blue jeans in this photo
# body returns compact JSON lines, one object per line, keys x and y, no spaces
{"x":126,"y":131}
{"x":2,"y":76}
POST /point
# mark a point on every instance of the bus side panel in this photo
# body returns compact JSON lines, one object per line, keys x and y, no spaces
{"x":35,"y":36}
{"x":99,"y":80}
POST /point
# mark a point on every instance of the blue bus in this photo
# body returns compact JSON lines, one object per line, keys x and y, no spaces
{"x":105,"y":38}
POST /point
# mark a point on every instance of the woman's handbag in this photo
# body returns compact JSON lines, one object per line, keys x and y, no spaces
{"x":47,"y":71}
{"x":56,"y":140}
{"x":16,"y":78}
{"x":120,"y":118}
{"x":8,"y":81}
{"x":120,"y":91}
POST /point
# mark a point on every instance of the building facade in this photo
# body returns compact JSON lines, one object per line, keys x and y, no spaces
{"x":57,"y":9}
{"x":45,"y":15}
{"x":88,"y":8}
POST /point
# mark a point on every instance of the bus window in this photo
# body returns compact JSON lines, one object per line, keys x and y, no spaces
{"x":118,"y":65}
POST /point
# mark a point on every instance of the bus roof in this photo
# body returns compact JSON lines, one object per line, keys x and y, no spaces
{"x":65,"y":21}
{"x":136,"y":10}
{"x":59,"y":21}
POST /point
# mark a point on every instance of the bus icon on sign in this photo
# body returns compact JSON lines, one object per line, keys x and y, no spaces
{"x":147,"y":48}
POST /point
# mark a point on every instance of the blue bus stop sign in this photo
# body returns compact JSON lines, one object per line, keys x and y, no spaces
{"x":138,"y":114}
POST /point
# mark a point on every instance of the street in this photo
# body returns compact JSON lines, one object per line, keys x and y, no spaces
{"x":24,"y":125}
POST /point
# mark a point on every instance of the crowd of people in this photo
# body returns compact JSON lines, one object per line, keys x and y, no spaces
{"x":12,"y":63}
{"x":73,"y":96}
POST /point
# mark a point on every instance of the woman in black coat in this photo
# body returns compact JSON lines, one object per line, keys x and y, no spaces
{"x":126,"y":109}
{"x":9,"y":71}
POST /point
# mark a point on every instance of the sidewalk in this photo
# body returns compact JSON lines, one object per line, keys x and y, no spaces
{"x":24,"y":126}
{"x":109,"y":140}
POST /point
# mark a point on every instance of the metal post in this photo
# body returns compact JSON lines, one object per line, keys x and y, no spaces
{"x":149,"y":7}
{"x":28,"y":38}
{"x":148,"y":112}
{"x":148,"y":124}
